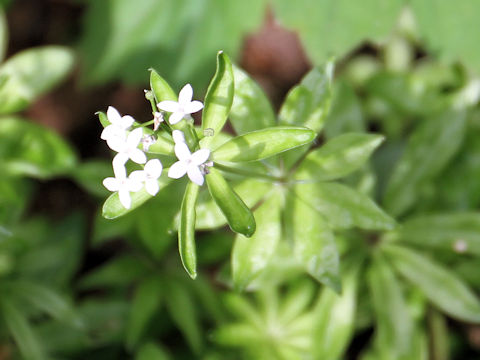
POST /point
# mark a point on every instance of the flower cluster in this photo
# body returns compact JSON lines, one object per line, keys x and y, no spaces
{"x":125,"y":137}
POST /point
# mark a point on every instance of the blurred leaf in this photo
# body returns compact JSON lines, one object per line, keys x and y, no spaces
{"x":439,"y":336}
{"x":251,"y":255}
{"x":313,"y":242}
{"x":338,"y":157}
{"x":90,"y":174}
{"x":32,"y":73}
{"x":3,"y":34}
{"x":341,"y":24}
{"x":260,"y":144}
{"x":441,"y":286}
{"x":186,"y":230}
{"x":443,"y":26}
{"x":21,"y":331}
{"x":394,"y":324}
{"x":344,"y":207}
{"x":239,"y":217}
{"x":335,"y":316}
{"x":458,"y":232}
{"x":29,"y":149}
{"x":429,"y":149}
{"x":251,"y":109}
{"x":144,"y":304}
{"x":297,"y":300}
{"x":219,"y":98}
{"x":151,"y":351}
{"x":182,"y":309}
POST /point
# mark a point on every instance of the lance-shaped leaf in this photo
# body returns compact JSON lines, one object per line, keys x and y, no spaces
{"x":251,"y":109}
{"x":251,"y":255}
{"x":335,"y":316}
{"x":30,"y":74}
{"x":113,"y":208}
{"x":441,"y":286}
{"x":313,"y":240}
{"x":186,"y":230}
{"x":338,"y":157}
{"x":160,"y":87}
{"x":264,"y":143}
{"x":238,"y":215}
{"x":162,"y":146}
{"x":152,"y":351}
{"x":394,"y":324}
{"x":458,"y":232}
{"x":218,"y":100}
{"x":429,"y":149}
{"x":344,"y":207}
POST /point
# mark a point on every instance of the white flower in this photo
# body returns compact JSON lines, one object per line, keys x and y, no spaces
{"x":149,"y":176}
{"x":178,"y":136}
{"x":157,"y":120}
{"x":128,"y":148}
{"x":188,"y":163}
{"x":122,"y":184}
{"x":118,"y":126}
{"x":183,"y":107}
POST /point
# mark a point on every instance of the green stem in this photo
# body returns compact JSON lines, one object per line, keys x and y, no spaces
{"x":247,"y":173}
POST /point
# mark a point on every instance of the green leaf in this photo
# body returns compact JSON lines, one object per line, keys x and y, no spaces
{"x":160,"y":87}
{"x":209,"y":215}
{"x":90,"y":174}
{"x":428,"y":151}
{"x":457,"y":232}
{"x":338,"y":157}
{"x":394,"y":324}
{"x":21,"y":331}
{"x":162,"y":146}
{"x":344,"y":25}
{"x":32,"y":73}
{"x":3,"y":35}
{"x":186,"y":230}
{"x":182,"y":309}
{"x":102,"y":117}
{"x":251,"y":109}
{"x":219,"y":99}
{"x":263,"y":143}
{"x":151,"y":351}
{"x":344,"y":207}
{"x":251,"y":255}
{"x":144,"y":304}
{"x":335,"y":317}
{"x":113,"y":208}
{"x":313,"y":242}
{"x":441,"y":286}
{"x":443,"y":26}
{"x":238,"y":215}
{"x":29,"y":149}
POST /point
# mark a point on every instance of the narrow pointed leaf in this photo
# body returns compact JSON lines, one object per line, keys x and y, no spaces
{"x":186,"y":230}
{"x":441,"y":286}
{"x":338,"y":157}
{"x":251,"y":109}
{"x":314,"y":243}
{"x":162,"y":146}
{"x":152,"y":351}
{"x":102,"y":117}
{"x":251,"y":255}
{"x":238,"y":215}
{"x":219,"y":98}
{"x":160,"y":87}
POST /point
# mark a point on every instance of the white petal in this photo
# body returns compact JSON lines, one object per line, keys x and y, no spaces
{"x":113,"y":115}
{"x":182,"y":151}
{"x":152,"y":187}
{"x":126,"y":121}
{"x":178,"y":136}
{"x":185,"y":95}
{"x":119,"y":166}
{"x":177,"y":170}
{"x":108,"y":132}
{"x":124,"y":197}
{"x":133,"y":184}
{"x":117,"y":143}
{"x":134,"y":137}
{"x":168,"y":105}
{"x":176,"y":117}
{"x":153,"y":168}
{"x":193,"y":107}
{"x":200,"y":156}
{"x":195,"y":175}
{"x":137,"y":156}
{"x":111,"y":184}
{"x":138,"y":176}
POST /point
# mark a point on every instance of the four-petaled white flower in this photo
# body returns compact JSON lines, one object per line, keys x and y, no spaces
{"x":149,"y":176}
{"x":183,"y":107}
{"x":178,"y":136}
{"x":188,"y":163}
{"x":116,"y":131}
{"x":123,"y":184}
{"x":128,"y":148}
